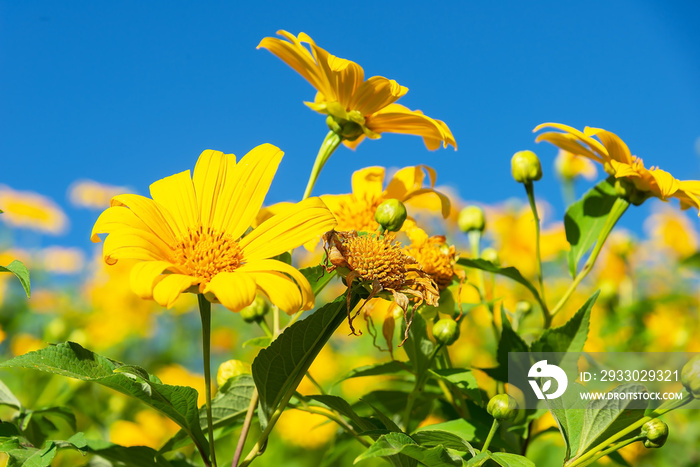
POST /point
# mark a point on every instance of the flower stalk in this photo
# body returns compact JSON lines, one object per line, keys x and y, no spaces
{"x":329,"y":145}
{"x":530,"y":190}
{"x":205,"y":313}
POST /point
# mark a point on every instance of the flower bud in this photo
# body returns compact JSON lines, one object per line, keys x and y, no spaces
{"x":391,"y":215}
{"x":502,"y":407}
{"x":256,"y":310}
{"x":626,"y":189}
{"x":471,"y":219}
{"x":491,"y":255}
{"x":525,"y":167}
{"x":231,"y":368}
{"x":656,"y":433}
{"x":690,"y":376}
{"x":446,"y":331}
{"x":523,"y":307}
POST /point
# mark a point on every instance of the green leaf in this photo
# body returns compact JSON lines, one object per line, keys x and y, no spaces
{"x":603,"y":418}
{"x":568,"y":411}
{"x":318,"y":277}
{"x":443,"y":438}
{"x":231,"y":402}
{"x":8,"y":430}
{"x":124,"y":456}
{"x":261,"y":341}
{"x":506,"y":459}
{"x":479,"y":459}
{"x":459,"y":427}
{"x":278,"y":369}
{"x":42,"y":457}
{"x":179,"y":403}
{"x":393,"y":444}
{"x":509,"y":272}
{"x":510,"y":342}
{"x":418,"y":346}
{"x":20,"y":270}
{"x":584,"y":220}
{"x":571,"y":336}
{"x":7,"y":398}
{"x":462,"y":379}
{"x":386,"y":368}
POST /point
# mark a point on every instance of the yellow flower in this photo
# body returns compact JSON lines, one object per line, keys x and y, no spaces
{"x":610,"y":151}
{"x":437,"y":258}
{"x":25,"y":343}
{"x":177,"y":375}
{"x":673,"y":231}
{"x":62,"y":260}
{"x":149,"y":428}
{"x":31,"y":210}
{"x":362,"y":107}
{"x":188,"y":237}
{"x":304,"y":429}
{"x":355,"y":211}
{"x":570,"y":166}
{"x":93,"y":195}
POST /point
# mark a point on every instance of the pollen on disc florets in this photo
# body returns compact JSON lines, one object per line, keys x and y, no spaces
{"x":205,"y":253}
{"x":437,"y":259}
{"x":372,"y":257}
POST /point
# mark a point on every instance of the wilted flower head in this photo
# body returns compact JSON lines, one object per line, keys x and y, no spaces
{"x":357,"y":107}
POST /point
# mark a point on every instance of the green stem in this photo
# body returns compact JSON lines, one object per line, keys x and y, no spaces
{"x":246,"y":427}
{"x":418,"y":387}
{"x":474,"y":241}
{"x":615,"y":214}
{"x":266,"y":329}
{"x":530,"y":190}
{"x":205,"y":313}
{"x":612,"y":448}
{"x":329,"y":145}
{"x":315,"y":383}
{"x":492,"y":432}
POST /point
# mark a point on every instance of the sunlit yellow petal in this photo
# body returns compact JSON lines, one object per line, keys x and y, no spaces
{"x":155,"y":216}
{"x":209,"y":178}
{"x":594,"y":144}
{"x":667,"y":185}
{"x":141,"y":245}
{"x":280,"y":289}
{"x":406,"y":181}
{"x":398,"y":119}
{"x":288,"y":230}
{"x":354,"y":143}
{"x":368,"y":182}
{"x":432,"y":199}
{"x":245,"y":189}
{"x":169,"y":288}
{"x":568,"y":143}
{"x":176,"y":194}
{"x":375,"y":94}
{"x":114,"y":219}
{"x":307,"y":295}
{"x":617,"y":149}
{"x":235,"y":290}
{"x":143,"y":277}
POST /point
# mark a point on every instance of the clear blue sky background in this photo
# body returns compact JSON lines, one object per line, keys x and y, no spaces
{"x":128,"y":92}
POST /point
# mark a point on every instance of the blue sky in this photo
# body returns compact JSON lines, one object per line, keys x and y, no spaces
{"x":129,"y":92}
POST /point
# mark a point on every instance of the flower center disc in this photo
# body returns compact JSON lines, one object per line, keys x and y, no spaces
{"x":206,"y":253}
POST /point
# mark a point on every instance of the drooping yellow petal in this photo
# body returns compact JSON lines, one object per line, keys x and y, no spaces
{"x":617,"y":149}
{"x":115,"y":219}
{"x":568,"y":143}
{"x":176,"y":194}
{"x":624,"y":170}
{"x":666,"y":184}
{"x":169,"y":288}
{"x":280,"y":289}
{"x":375,"y":94}
{"x":294,"y":54}
{"x":368,"y":182}
{"x":354,"y":143}
{"x":136,"y":245}
{"x":406,"y":181}
{"x":245,"y":190}
{"x":307,"y":296}
{"x":143,"y":277}
{"x":155,"y":216}
{"x":235,"y":290}
{"x":285,"y":231}
{"x":432,"y":199}
{"x":593,"y":143}
{"x":209,"y":178}
{"x":396,"y":118}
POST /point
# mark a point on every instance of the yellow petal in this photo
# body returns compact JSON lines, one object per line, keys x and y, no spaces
{"x":569,"y":143}
{"x":269,"y":211}
{"x":594,"y":144}
{"x":114,"y":219}
{"x":151,"y":213}
{"x":280,"y":289}
{"x":143,"y":277}
{"x":170,"y":286}
{"x":246,"y":186}
{"x":624,"y":170}
{"x":396,"y":118}
{"x":266,"y":265}
{"x":406,"y":181}
{"x":422,"y":196}
{"x":235,"y":290}
{"x":285,"y":231}
{"x":368,"y":182}
{"x":353,"y":144}
{"x":134,"y":245}
{"x":375,"y":94}
{"x":176,"y":194}
{"x":209,"y":179}
{"x":294,"y":54}
{"x":617,"y":149}
{"x":666,"y":184}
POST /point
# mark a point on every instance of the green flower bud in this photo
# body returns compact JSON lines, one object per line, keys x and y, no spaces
{"x":491,"y":255}
{"x":525,"y":167}
{"x":502,"y":407}
{"x":231,"y":368}
{"x":471,"y":219}
{"x":690,"y":376}
{"x":256,"y":310}
{"x":446,"y":331}
{"x":626,"y":189}
{"x":446,"y":306}
{"x":656,"y":433}
{"x":391,"y":215}
{"x":523,"y":307}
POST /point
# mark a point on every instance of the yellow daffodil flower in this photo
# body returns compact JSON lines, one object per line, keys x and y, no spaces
{"x":610,"y":151}
{"x":355,"y":211}
{"x":357,"y":107}
{"x":189,"y":237}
